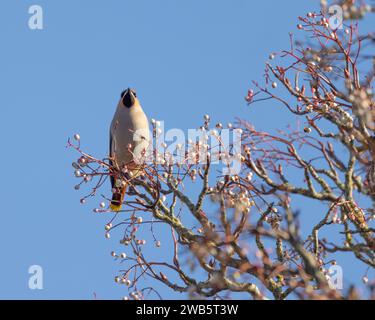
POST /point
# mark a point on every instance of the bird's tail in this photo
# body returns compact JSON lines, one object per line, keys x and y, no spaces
{"x":117,"y":199}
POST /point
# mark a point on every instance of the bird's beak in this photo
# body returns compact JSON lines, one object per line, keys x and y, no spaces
{"x":129,"y":98}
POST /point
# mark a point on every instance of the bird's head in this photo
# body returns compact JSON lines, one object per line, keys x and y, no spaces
{"x":129,"y":98}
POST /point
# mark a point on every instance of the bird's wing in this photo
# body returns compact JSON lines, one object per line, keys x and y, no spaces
{"x":111,"y":148}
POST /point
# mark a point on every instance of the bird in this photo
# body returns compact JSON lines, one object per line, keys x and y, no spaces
{"x":128,"y":144}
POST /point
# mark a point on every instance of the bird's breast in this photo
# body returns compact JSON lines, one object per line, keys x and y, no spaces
{"x":129,"y":128}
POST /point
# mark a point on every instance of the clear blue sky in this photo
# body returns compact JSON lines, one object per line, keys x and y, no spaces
{"x":186,"y":58}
